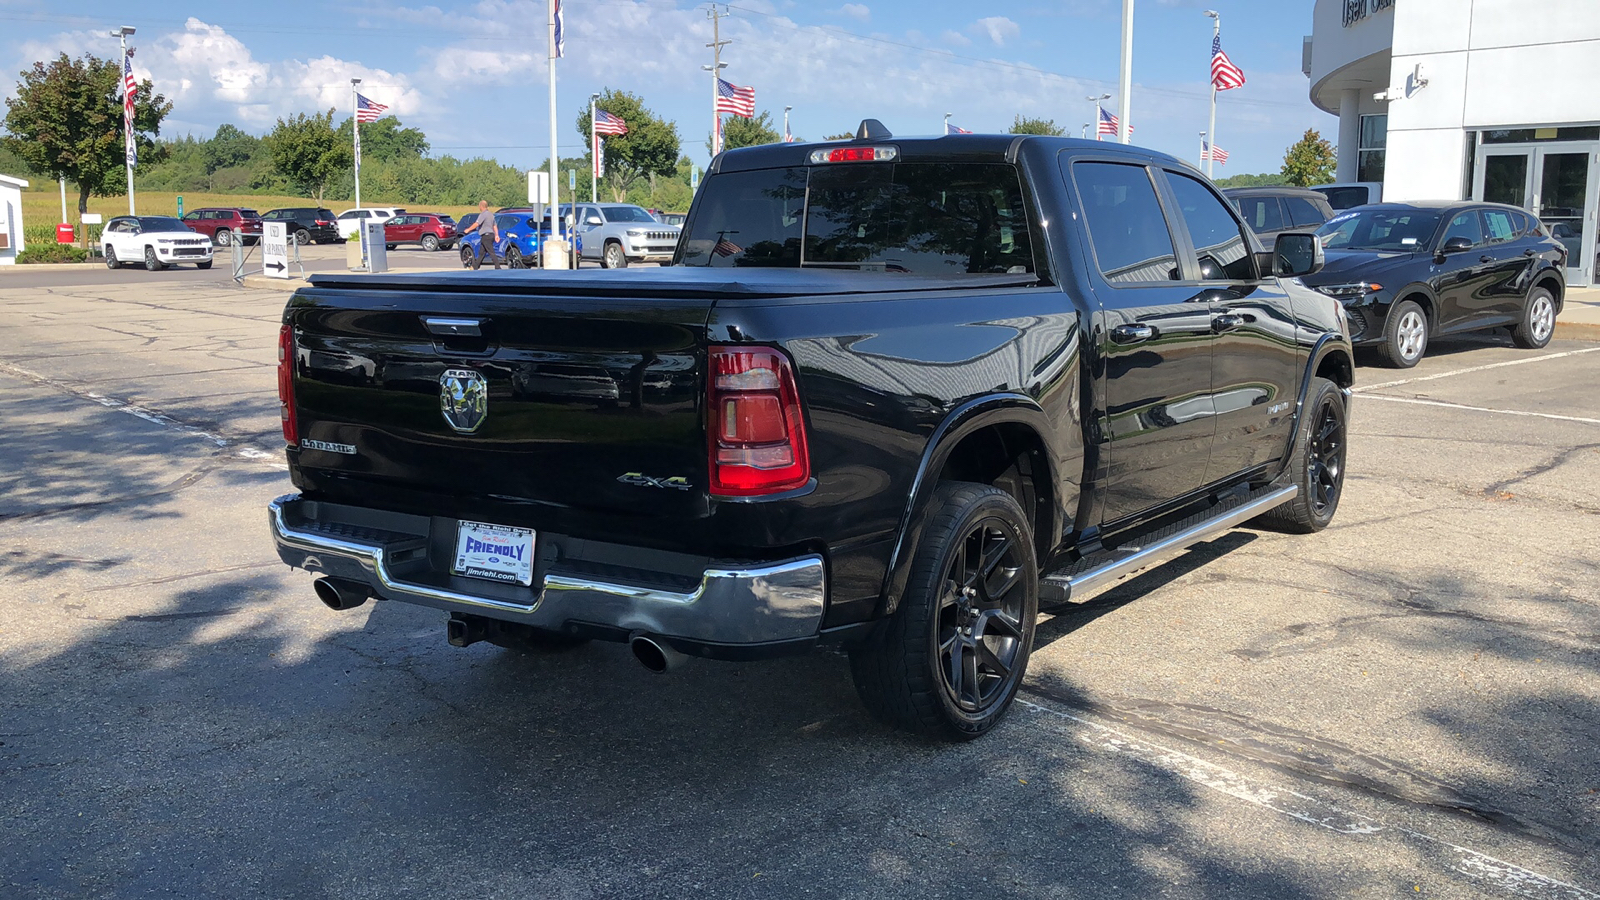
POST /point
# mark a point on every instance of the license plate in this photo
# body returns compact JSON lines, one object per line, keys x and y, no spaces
{"x":495,"y":552}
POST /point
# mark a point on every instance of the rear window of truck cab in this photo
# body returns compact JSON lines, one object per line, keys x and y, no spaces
{"x":918,"y":218}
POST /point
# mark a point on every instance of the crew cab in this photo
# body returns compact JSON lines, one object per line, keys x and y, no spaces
{"x":894,"y":395}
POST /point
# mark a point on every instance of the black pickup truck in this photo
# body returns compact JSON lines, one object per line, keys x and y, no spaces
{"x":892,"y":394}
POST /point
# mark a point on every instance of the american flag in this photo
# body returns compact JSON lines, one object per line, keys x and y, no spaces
{"x":787,"y":137}
{"x":561,"y":32}
{"x":130,"y":89}
{"x":1225,"y":76}
{"x":726,"y":247}
{"x":731,"y":98}
{"x":954,"y":129}
{"x":606,"y":123}
{"x":367,"y":110}
{"x":1208,"y":151}
{"x":1108,"y":124}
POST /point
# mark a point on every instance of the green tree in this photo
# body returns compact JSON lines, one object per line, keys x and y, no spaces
{"x":1311,"y":160}
{"x":66,"y":122}
{"x":737,"y":131}
{"x":842,"y":136}
{"x":649,"y":149}
{"x":1024,"y":125}
{"x":385,"y":139}
{"x":1265,"y":179}
{"x":230,"y":147}
{"x":307,"y":151}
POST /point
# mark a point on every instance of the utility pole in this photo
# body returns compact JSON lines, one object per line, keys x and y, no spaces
{"x":716,"y":67}
{"x":128,"y":151}
{"x":1125,"y":102}
{"x":1216,"y":32}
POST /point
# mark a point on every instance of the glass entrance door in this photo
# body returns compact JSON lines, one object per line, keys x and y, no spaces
{"x":1503,"y":178}
{"x":1564,"y":198}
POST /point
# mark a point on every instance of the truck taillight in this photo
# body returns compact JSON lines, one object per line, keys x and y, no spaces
{"x":755,"y":429}
{"x":291,"y":427}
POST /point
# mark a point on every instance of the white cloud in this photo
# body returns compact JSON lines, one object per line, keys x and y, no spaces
{"x":956,"y":38}
{"x":855,"y":11}
{"x":997,"y":28}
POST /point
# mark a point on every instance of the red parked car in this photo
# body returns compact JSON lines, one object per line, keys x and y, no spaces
{"x":223,"y":224}
{"x":434,"y":231}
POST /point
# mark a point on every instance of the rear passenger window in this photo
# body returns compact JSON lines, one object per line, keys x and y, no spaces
{"x":1261,"y":213}
{"x":1303,"y":212}
{"x":1126,"y":226}
{"x":1219,"y":244}
{"x":1500,"y":225}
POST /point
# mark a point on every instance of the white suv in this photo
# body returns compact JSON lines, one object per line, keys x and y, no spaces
{"x":350,"y":220}
{"x":154,"y":241}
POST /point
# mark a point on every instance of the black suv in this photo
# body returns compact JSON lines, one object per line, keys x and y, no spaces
{"x":1270,"y":211}
{"x":1407,"y":272}
{"x":307,"y":223}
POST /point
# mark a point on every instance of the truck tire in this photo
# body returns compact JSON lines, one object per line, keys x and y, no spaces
{"x":1538,"y":321}
{"x":949,"y":660}
{"x":223,"y":238}
{"x":613,"y":257}
{"x":1317,"y":464}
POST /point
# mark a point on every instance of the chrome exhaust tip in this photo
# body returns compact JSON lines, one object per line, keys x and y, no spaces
{"x":654,"y":655}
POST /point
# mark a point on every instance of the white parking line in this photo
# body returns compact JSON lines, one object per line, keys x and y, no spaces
{"x":1479,"y":866}
{"x":1515,"y":362}
{"x":1504,"y":412}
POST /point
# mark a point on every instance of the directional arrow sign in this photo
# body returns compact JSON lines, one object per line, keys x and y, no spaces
{"x":275,"y":249}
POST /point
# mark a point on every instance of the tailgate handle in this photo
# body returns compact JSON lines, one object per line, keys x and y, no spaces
{"x":447,"y":327}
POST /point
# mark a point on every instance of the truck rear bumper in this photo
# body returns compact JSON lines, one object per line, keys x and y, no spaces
{"x":738,"y":610}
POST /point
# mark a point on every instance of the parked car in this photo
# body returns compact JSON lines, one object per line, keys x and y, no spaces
{"x":1351,"y":194}
{"x":431,"y":231}
{"x":886,"y":405}
{"x":1407,"y":273}
{"x":306,"y":223}
{"x":225,"y":223}
{"x":349,"y":221}
{"x":154,"y":241}
{"x":522,"y":234}
{"x":616,"y":234}
{"x":1270,"y":211}
{"x":675,"y":219}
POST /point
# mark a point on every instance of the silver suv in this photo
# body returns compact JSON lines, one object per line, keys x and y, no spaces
{"x":620,"y":233}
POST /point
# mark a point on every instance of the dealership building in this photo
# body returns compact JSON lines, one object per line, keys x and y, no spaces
{"x":1469,"y":99}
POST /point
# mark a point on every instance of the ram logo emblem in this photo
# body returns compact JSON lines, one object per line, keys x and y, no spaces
{"x":463,"y":399}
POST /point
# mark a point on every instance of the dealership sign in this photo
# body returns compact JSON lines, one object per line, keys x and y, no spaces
{"x":1356,"y":10}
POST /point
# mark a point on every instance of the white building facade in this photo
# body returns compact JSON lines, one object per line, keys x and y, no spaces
{"x":1469,"y":99}
{"x":10,"y":218}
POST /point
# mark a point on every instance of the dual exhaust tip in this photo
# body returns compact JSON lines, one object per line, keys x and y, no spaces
{"x":464,"y":631}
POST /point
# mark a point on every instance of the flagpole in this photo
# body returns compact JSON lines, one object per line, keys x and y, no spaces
{"x":1216,"y":33}
{"x":786,"y":123}
{"x":355,"y":129}
{"x":555,"y":184}
{"x":1203,"y":153}
{"x":127,"y":115}
{"x":594,"y":155}
{"x":1125,"y":101}
{"x":716,"y":45}
{"x":946,"y":123}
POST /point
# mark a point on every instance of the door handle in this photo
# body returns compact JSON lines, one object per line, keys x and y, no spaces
{"x":1529,"y":252}
{"x":1226,"y":322}
{"x":1485,"y":258}
{"x":446,"y":327}
{"x":1132,"y":334}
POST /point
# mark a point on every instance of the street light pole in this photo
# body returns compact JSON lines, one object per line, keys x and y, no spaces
{"x":1211,"y":130}
{"x":1096,"y":102}
{"x":1125,"y":102}
{"x":947,"y":123}
{"x":786,"y":123}
{"x":127,"y":124}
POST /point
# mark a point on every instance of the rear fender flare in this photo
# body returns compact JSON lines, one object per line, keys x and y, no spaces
{"x":964,"y":420}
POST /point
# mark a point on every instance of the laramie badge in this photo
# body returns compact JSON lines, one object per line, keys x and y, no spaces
{"x":463,"y":399}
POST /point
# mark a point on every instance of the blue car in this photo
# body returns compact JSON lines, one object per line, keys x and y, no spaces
{"x":521,"y":233}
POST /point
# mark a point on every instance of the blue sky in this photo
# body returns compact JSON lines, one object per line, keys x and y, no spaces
{"x":472,"y":74}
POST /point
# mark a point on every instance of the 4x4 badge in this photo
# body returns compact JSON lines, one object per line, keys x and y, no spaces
{"x":463,"y":399}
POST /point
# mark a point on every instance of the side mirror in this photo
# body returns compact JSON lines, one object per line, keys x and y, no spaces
{"x":571,"y":220}
{"x":1456,"y":245}
{"x":1296,"y":254}
{"x":594,"y":220}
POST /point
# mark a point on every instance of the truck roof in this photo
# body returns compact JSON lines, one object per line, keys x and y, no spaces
{"x":996,"y":148}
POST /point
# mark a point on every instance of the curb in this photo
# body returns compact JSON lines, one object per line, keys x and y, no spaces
{"x":49,"y":267}
{"x":268,"y":283}
{"x":1577,"y":331}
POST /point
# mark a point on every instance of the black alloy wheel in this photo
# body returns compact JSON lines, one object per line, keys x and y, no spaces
{"x":949,"y":661}
{"x":224,"y":238}
{"x":111,"y":258}
{"x":430,"y":243}
{"x":468,"y":258}
{"x":151,"y":264}
{"x":1317,"y":465}
{"x":302,"y":237}
{"x":514,"y":258}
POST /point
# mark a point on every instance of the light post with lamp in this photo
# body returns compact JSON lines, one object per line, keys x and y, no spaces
{"x":1097,"y":115}
{"x":594,"y":152}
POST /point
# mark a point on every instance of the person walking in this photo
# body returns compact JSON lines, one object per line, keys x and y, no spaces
{"x":488,"y":235}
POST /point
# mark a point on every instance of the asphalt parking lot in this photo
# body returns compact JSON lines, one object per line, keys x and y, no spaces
{"x":1406,"y":704}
